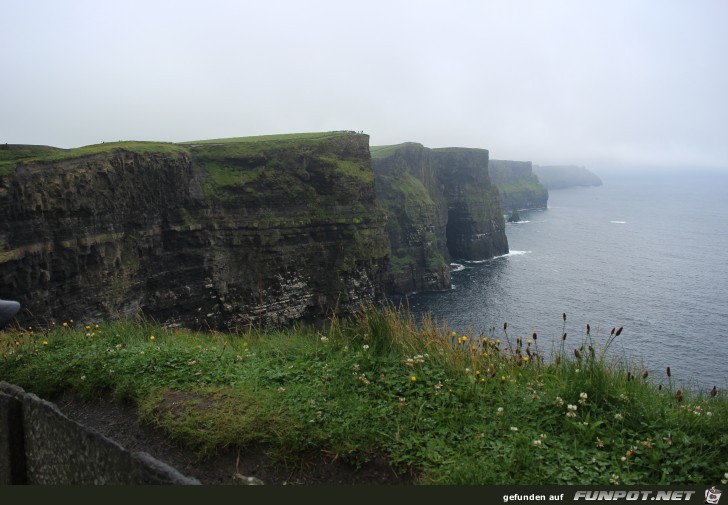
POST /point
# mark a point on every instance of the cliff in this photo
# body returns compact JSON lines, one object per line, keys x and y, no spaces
{"x":216,"y":234}
{"x":565,"y":176}
{"x":518,"y":186}
{"x":440,"y":206}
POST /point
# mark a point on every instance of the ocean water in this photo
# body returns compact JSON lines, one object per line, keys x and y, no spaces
{"x":645,"y":251}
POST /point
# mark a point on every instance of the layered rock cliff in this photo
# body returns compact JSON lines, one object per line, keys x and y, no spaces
{"x":441,"y":206}
{"x":214,"y":234}
{"x":518,"y":186}
{"x":565,"y":176}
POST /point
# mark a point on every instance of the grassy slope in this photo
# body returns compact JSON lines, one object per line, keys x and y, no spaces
{"x":455,"y":408}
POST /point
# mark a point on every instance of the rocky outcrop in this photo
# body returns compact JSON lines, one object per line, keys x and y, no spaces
{"x":214,"y":234}
{"x":518,"y":186}
{"x":441,"y":206}
{"x":565,"y":176}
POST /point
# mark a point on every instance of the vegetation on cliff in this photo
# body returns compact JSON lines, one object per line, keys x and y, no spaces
{"x":213,"y":234}
{"x":442,"y":404}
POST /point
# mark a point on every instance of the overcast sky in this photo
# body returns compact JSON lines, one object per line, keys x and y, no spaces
{"x":637,"y":82}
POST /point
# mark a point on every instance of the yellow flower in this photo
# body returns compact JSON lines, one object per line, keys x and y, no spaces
{"x":477,"y":372}
{"x":503,"y":378}
{"x":629,"y":454}
{"x":65,"y":324}
{"x":45,"y":342}
{"x":70,"y":321}
{"x":88,"y":327}
{"x":413,"y":378}
{"x":464,"y":338}
{"x":151,"y":338}
{"x":525,"y":358}
{"x":454,"y":334}
{"x":97,"y":326}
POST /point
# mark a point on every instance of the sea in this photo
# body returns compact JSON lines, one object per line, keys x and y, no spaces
{"x":646,"y":251}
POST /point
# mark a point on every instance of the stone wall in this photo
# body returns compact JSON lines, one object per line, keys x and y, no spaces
{"x":41,"y":446}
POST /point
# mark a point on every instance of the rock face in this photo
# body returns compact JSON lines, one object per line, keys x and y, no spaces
{"x":441,"y":206}
{"x":214,"y":234}
{"x":518,"y":186}
{"x":565,"y":176}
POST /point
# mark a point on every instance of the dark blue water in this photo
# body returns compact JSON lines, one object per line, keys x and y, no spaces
{"x":648,"y":252}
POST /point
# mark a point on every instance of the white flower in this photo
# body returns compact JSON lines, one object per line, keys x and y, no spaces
{"x":281,"y":389}
{"x":365,"y":347}
{"x":500,"y":411}
{"x":83,"y":377}
{"x":513,"y":428}
{"x":324,"y":339}
{"x":571,"y":410}
{"x":559,"y":402}
{"x":537,"y":443}
{"x":614,"y":479}
{"x":618,"y":417}
{"x":583,"y":396}
{"x":623,"y":459}
{"x":724,"y":481}
{"x":708,"y":413}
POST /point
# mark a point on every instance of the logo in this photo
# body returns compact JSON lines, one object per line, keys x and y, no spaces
{"x":712,"y":496}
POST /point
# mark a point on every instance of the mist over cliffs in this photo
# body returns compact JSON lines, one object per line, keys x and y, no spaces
{"x":233,"y":232}
{"x":565,"y":176}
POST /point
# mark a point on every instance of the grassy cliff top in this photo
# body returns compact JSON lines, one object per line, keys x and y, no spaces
{"x":14,"y":154}
{"x":272,"y":138}
{"x":387,"y":151}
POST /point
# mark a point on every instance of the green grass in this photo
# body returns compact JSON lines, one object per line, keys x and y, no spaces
{"x":389,"y":150}
{"x":452,"y":407}
{"x":10,"y":158}
{"x":272,"y":138}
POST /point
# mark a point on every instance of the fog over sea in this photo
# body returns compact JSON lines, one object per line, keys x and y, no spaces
{"x":647,"y":251}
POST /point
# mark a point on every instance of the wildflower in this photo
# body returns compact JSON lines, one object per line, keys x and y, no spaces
{"x":503,"y":378}
{"x":582,"y":398}
{"x":513,"y":428}
{"x":623,"y":459}
{"x":500,"y":411}
{"x":238,"y":358}
{"x":537,"y":443}
{"x":413,"y":378}
{"x":118,"y":347}
{"x":542,"y":436}
{"x":281,"y":389}
{"x":725,"y":480}
{"x":65,"y":324}
{"x":559,"y":402}
{"x":363,"y":379}
{"x":525,"y":358}
{"x":600,"y":443}
{"x":709,"y":414}
{"x":402,"y":401}
{"x":571,"y":410}
{"x":151,"y":338}
{"x":454,"y":334}
{"x":88,"y":327}
{"x":83,"y":377}
{"x":628,"y":454}
{"x":437,"y":387}
{"x":618,"y":417}
{"x":355,"y":367}
{"x":614,"y":479}
{"x":324,"y":339}
{"x":45,"y":342}
{"x":467,"y":370}
{"x":529,"y":341}
{"x":365,"y":347}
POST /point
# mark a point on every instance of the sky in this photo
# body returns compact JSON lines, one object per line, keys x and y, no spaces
{"x":586,"y":82}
